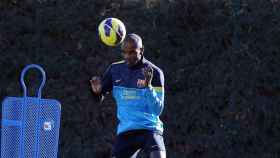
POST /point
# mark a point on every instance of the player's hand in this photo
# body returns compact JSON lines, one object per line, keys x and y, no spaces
{"x":96,"y":85}
{"x":148,"y":73}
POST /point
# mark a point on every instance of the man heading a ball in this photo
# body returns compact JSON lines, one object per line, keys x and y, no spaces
{"x":137,"y":86}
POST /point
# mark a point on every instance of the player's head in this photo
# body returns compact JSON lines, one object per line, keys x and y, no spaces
{"x":132,"y":49}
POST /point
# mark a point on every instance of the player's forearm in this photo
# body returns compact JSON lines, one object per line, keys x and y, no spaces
{"x":98,"y":97}
{"x":154,"y":100}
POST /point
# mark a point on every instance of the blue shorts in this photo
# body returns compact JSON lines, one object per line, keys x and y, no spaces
{"x":130,"y":142}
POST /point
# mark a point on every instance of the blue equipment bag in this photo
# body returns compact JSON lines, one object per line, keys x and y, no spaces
{"x":30,"y":125}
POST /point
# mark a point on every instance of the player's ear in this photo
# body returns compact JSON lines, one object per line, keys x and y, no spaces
{"x":122,"y":45}
{"x":142,"y":50}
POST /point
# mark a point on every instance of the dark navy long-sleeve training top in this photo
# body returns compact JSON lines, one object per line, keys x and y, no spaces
{"x":138,"y":107}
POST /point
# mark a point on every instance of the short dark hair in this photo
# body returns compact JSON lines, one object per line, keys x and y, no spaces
{"x":133,"y":38}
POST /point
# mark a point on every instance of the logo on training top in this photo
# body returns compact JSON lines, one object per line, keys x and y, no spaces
{"x":117,"y":81}
{"x":140,"y":83}
{"x":130,"y":94}
{"x":48,"y":125}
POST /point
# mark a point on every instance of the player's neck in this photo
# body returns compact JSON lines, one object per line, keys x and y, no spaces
{"x":138,"y":64}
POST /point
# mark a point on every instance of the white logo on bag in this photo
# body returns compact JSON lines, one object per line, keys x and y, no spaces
{"x":48,"y":126}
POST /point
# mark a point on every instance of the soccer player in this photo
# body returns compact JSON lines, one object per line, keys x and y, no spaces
{"x":137,"y":86}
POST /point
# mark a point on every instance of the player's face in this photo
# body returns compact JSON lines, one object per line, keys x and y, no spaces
{"x":131,"y":53}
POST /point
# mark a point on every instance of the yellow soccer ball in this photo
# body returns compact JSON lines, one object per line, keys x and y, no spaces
{"x":111,"y":31}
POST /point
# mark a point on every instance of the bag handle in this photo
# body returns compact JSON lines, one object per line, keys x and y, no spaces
{"x":39,"y":92}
